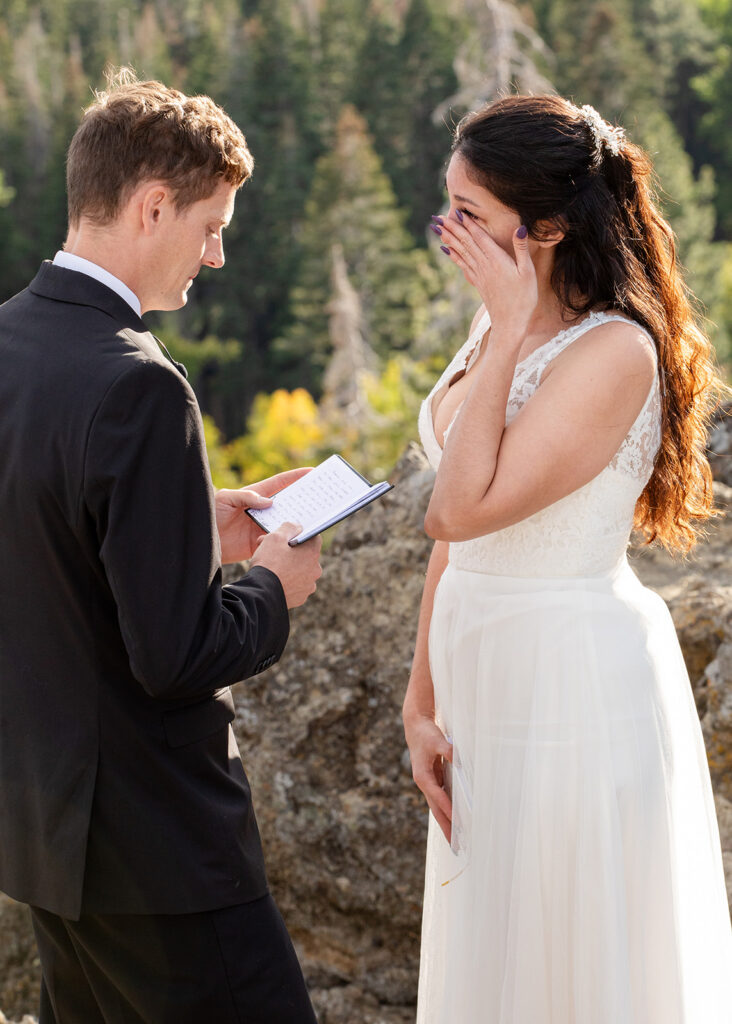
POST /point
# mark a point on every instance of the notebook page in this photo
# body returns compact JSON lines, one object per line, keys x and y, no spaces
{"x":371,"y":494}
{"x":315,"y":498}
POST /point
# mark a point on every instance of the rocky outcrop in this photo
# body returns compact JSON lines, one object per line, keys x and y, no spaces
{"x":19,"y":965}
{"x":698,"y":591}
{"x":342,"y":823}
{"x":724,"y":817}
{"x":717,"y":720}
{"x":720,"y":445}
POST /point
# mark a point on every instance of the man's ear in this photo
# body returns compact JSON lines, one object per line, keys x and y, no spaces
{"x":550,"y":232}
{"x":155,"y":203}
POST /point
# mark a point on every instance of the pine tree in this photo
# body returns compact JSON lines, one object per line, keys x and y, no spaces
{"x":501,"y":52}
{"x":270,"y":96}
{"x":352,"y":203}
{"x":607,"y":55}
{"x":40,"y":88}
{"x":6,"y":194}
{"x":687,"y":202}
{"x":336,"y":37}
{"x":402,"y":76}
{"x":600,"y":57}
{"x":714,"y":87}
{"x":680,"y":46}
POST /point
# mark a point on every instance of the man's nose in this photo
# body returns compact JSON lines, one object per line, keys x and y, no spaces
{"x":215,"y":254}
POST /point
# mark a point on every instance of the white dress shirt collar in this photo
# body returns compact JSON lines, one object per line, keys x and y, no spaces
{"x":71,"y":262}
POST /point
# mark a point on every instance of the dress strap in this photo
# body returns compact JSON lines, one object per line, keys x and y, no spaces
{"x":565,"y":338}
{"x":481,"y":327}
{"x":475,"y":339}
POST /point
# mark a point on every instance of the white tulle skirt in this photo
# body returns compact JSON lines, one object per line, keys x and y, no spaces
{"x":584,"y":883}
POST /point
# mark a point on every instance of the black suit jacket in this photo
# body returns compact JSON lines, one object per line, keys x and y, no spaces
{"x":121,"y":787}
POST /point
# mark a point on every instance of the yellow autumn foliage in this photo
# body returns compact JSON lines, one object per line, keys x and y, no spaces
{"x":287,"y":428}
{"x":283,"y":431}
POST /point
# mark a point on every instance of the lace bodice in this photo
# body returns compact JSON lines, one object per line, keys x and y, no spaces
{"x":585,"y":533}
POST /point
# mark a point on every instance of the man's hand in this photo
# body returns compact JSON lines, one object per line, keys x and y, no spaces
{"x":297,"y":568}
{"x":238,"y":534}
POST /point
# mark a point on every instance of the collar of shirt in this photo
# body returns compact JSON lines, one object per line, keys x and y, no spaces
{"x":71,"y":262}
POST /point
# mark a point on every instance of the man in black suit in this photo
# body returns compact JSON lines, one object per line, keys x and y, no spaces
{"x":125,"y":813}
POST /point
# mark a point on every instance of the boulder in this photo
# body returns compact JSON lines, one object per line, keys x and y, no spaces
{"x":724,"y":817}
{"x":702,"y":614}
{"x":720,"y":445}
{"x":717,"y":720}
{"x":19,"y":964}
{"x":342,"y":823}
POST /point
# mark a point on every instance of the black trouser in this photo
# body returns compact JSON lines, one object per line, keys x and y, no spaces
{"x":230,"y":966}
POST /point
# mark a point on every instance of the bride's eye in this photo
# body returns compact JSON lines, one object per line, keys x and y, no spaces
{"x":469,"y":214}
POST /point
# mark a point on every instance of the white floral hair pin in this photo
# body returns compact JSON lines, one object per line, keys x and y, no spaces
{"x":604,"y":134}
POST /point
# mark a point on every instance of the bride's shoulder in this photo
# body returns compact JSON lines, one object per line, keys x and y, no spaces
{"x":615,"y":342}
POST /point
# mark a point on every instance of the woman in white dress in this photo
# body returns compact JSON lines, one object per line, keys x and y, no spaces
{"x":574,"y":872}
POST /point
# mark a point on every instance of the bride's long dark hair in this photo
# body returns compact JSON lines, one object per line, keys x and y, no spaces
{"x":540,"y":156}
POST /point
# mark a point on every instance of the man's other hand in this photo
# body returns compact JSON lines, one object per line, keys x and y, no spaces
{"x":297,"y":568}
{"x":238,"y":534}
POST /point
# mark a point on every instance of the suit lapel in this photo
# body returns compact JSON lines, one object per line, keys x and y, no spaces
{"x":63,"y":285}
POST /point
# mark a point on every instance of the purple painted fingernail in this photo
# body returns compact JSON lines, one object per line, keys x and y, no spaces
{"x":437,"y":231}
{"x":522,"y":231}
{"x":445,"y":249}
{"x":437,"y":220}
{"x":459,"y":216}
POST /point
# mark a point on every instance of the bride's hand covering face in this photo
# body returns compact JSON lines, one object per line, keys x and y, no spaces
{"x":490,"y":245}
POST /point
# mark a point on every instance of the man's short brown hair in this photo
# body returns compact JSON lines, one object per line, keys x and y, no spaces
{"x":139,"y":131}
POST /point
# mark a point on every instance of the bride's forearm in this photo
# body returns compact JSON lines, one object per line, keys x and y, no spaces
{"x":420,"y":699}
{"x":469,"y":460}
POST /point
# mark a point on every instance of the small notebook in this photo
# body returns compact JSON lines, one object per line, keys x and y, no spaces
{"x":323,"y":497}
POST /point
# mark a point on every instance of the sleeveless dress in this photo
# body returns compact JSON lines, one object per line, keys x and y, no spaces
{"x":584,"y":880}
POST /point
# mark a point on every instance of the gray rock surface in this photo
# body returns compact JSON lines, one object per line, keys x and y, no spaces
{"x":720,"y":445}
{"x":321,"y":737}
{"x":26,"y":1019}
{"x":717,"y":720}
{"x":19,"y":964}
{"x":724,"y":817}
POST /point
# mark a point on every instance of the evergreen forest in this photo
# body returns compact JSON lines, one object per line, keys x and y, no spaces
{"x":335,"y":310}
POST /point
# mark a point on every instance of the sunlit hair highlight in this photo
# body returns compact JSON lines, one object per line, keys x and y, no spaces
{"x":138,"y":131}
{"x":539,"y":156}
